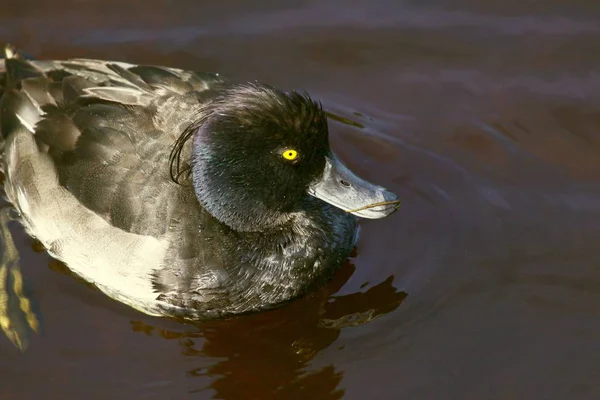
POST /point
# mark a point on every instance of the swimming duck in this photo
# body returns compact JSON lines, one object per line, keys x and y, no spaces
{"x":175,"y":192}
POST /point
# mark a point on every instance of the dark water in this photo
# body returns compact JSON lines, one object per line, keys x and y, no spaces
{"x":484,"y":116}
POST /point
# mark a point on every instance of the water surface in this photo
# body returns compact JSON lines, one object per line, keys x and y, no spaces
{"x":483,"y":116}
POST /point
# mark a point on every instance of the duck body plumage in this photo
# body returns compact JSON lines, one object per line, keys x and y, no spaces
{"x":87,"y":157}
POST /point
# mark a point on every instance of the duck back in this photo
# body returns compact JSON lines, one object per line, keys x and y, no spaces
{"x":86,"y":148}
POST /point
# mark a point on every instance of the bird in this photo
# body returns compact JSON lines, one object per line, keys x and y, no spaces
{"x":178,"y":193}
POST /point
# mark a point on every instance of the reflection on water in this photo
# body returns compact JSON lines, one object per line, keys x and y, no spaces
{"x":267,"y":355}
{"x":17,"y":318}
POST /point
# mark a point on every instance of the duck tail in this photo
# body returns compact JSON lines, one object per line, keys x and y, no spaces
{"x":8,"y":51}
{"x":14,"y":68}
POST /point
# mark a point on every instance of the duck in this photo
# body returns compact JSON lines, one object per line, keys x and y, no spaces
{"x":178,"y":193}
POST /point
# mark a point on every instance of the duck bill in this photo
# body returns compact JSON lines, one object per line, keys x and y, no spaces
{"x":342,"y":188}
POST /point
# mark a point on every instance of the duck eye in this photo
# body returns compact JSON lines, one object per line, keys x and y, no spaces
{"x":290,"y":154}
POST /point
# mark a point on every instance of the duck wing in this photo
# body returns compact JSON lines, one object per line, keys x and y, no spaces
{"x":108,"y":128}
{"x":86,"y":147}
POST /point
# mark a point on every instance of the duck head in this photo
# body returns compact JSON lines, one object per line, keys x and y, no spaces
{"x":258,"y":154}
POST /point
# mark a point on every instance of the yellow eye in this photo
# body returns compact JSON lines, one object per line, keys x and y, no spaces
{"x":290,"y":154}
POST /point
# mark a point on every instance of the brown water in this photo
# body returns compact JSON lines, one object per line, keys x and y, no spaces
{"x":484,"y":116}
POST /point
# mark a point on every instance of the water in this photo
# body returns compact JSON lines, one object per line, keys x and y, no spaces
{"x":483,"y":116}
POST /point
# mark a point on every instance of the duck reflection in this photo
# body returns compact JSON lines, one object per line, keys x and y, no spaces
{"x":267,"y":355}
